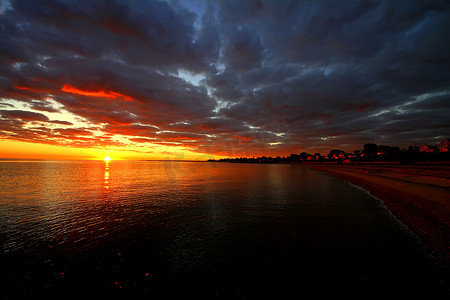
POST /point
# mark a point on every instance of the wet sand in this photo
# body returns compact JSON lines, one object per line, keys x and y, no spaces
{"x":418,"y":195}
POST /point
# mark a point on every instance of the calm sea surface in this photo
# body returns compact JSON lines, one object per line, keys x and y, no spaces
{"x":198,"y":229}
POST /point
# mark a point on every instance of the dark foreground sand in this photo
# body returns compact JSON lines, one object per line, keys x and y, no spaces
{"x":418,"y":195}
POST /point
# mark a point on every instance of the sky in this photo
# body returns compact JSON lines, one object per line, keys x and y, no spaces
{"x":210,"y":79}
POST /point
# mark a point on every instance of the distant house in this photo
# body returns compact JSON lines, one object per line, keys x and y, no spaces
{"x":335,"y":154}
{"x":370,"y":150}
{"x":344,"y":155}
{"x":445,"y":145}
{"x":388,"y":150}
{"x":358,"y":153}
{"x":428,"y":149}
{"x":349,"y":155}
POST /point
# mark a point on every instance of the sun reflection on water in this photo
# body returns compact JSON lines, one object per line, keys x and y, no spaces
{"x":106,"y":181}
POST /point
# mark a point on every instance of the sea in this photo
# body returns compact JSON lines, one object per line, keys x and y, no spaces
{"x":209,"y":230}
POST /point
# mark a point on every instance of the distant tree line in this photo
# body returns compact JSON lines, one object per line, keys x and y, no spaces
{"x":370,"y":153}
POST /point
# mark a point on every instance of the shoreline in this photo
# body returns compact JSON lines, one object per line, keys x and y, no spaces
{"x":418,"y":196}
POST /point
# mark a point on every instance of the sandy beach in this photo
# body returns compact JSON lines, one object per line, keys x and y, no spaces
{"x":418,"y":195}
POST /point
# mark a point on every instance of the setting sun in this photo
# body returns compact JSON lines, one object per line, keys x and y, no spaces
{"x":107,"y":158}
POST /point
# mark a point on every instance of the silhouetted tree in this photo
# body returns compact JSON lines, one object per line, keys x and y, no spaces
{"x":336,"y":153}
{"x":304,"y":156}
{"x":294,"y":158}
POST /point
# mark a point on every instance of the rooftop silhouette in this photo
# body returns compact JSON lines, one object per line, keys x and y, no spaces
{"x":371,"y":152}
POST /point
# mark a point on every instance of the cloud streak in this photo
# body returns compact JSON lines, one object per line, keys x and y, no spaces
{"x":227,"y":78}
{"x":102,"y":94}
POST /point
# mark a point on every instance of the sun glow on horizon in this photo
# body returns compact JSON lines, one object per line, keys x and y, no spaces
{"x":11,"y":149}
{"x":107,"y":159}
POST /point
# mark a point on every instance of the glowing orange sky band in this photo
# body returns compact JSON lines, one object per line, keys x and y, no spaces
{"x":103,"y":94}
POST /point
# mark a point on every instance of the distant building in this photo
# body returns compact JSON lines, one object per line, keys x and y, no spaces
{"x":445,"y":145}
{"x":358,"y":153}
{"x":349,"y":155}
{"x":370,"y":150}
{"x":317,"y":156}
{"x":388,"y":150}
{"x":428,"y":149}
{"x":335,"y":154}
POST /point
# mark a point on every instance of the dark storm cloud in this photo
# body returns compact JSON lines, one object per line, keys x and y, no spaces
{"x":339,"y":64}
{"x":274,"y":75}
{"x":23,"y":115}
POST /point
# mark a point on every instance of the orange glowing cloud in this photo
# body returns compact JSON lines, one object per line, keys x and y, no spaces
{"x":102,"y":94}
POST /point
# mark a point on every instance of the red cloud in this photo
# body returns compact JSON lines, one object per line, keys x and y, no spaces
{"x":242,"y":138}
{"x":27,"y":89}
{"x":100,"y":93}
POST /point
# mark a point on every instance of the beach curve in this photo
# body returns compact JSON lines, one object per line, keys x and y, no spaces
{"x":418,"y":195}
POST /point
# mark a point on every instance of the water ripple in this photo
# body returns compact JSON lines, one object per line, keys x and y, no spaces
{"x":159,"y":226}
